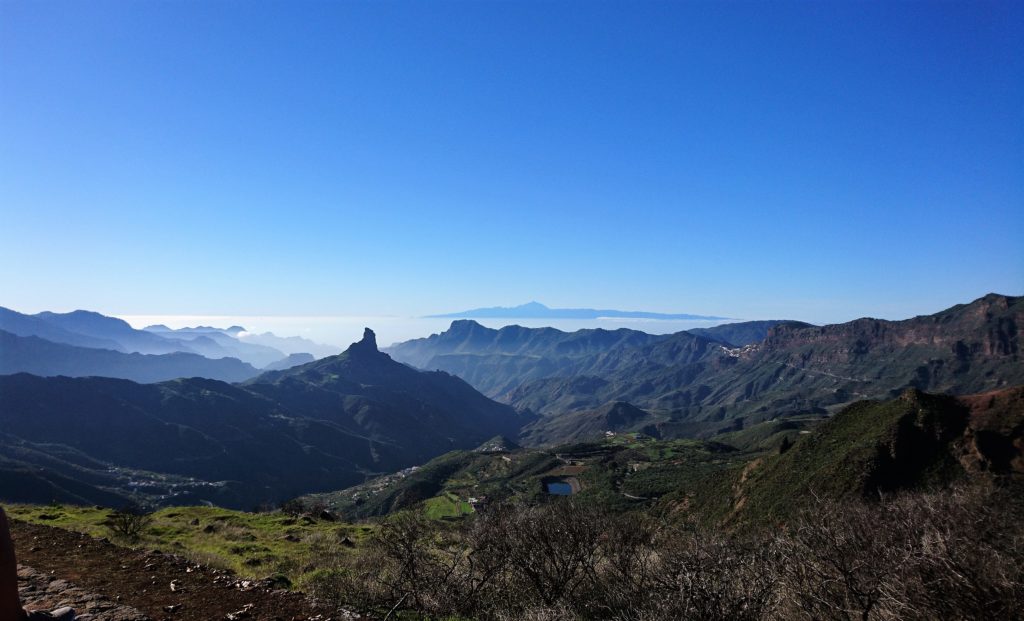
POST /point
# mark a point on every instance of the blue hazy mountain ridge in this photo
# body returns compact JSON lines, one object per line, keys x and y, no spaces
{"x":100,"y":326}
{"x":88,"y":329}
{"x":286,"y":344}
{"x":290,"y":344}
{"x":31,"y":354}
{"x":160,"y":328}
{"x":536,"y":310}
{"x":91,"y":329}
{"x":218,"y":344}
{"x":29,"y":325}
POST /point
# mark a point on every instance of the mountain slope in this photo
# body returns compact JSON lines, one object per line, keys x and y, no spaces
{"x":293,"y":360}
{"x":586,"y":425}
{"x":19,"y":354}
{"x":915,"y":441}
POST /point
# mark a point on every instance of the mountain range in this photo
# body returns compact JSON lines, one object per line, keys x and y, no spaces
{"x":322,"y":425}
{"x":536,"y":310}
{"x":699,"y":383}
{"x":85,"y":343}
{"x":287,"y":345}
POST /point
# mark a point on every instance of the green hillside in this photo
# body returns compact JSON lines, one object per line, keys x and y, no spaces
{"x":758,"y":475}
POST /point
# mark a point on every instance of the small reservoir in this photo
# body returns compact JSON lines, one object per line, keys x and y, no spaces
{"x":559,"y":488}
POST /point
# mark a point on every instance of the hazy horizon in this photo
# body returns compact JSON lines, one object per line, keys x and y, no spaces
{"x":340,"y":331}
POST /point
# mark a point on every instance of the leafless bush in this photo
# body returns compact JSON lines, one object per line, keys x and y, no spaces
{"x":841,"y":563}
{"x":951,"y":554}
{"x":630,"y":568}
{"x":969,"y":554}
{"x":707,"y":576}
{"x":554,"y":552}
{"x":128,"y":522}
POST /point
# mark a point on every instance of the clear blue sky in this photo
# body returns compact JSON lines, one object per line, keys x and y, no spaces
{"x":820,"y":161}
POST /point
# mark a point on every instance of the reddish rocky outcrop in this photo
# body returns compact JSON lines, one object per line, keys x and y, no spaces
{"x":994,"y":438}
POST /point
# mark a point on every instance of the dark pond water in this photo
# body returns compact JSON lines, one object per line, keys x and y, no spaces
{"x":559,"y":488}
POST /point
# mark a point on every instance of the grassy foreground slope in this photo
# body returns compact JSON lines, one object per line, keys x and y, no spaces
{"x":252,"y":545}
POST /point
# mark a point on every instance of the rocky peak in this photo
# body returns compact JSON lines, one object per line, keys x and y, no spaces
{"x":368,"y":344}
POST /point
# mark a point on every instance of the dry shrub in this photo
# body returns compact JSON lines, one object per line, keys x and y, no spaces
{"x":951,"y":554}
{"x":128,"y":522}
{"x":942,"y":555}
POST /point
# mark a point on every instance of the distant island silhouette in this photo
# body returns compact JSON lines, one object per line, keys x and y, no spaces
{"x":536,"y":310}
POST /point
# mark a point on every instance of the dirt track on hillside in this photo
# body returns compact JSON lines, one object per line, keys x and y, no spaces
{"x":143,"y":579}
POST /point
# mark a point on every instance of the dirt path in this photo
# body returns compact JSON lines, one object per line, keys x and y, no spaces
{"x":143,"y":580}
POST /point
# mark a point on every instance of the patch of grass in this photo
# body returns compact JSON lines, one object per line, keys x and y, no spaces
{"x":447,"y":505}
{"x":253,"y":545}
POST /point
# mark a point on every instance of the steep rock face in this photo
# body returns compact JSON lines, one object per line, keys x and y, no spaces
{"x":986,"y":327}
{"x":994,"y":438}
{"x":965,"y":349}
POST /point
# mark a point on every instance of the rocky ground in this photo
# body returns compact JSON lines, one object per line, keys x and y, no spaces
{"x":45,"y":592}
{"x":106,"y":582}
